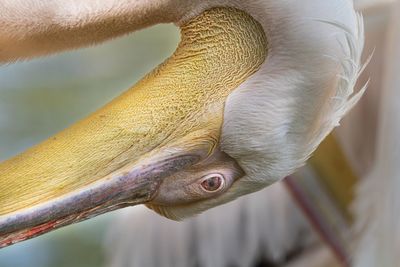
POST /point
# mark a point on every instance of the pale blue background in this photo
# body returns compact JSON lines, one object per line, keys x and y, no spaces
{"x":41,"y":97}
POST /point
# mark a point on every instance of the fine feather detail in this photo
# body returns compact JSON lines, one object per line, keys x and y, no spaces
{"x":378,"y":200}
{"x":266,"y":225}
{"x":305,"y":90}
{"x":345,"y":98}
{"x":276,"y":119}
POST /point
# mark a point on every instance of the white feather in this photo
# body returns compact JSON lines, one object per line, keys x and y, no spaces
{"x":378,"y":200}
{"x":277,"y":118}
{"x":264,"y":225}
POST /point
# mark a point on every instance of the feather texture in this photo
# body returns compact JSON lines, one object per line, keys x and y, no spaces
{"x":266,"y":225}
{"x":277,"y":118}
{"x":378,"y":201}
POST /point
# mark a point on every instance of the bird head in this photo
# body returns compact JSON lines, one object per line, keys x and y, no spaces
{"x":248,"y":95}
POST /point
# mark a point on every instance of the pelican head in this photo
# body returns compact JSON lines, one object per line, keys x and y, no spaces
{"x":250,"y":92}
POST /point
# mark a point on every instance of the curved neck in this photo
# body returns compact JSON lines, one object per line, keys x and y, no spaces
{"x":35,"y":28}
{"x":219,"y":50}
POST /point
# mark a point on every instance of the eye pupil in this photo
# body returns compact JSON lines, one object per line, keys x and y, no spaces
{"x":212,"y":183}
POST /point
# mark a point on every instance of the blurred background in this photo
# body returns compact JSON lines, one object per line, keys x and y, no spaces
{"x":43,"y":96}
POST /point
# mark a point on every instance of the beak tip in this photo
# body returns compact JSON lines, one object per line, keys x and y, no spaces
{"x":118,"y":190}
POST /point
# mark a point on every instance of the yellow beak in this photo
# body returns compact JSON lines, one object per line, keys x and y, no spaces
{"x":119,"y":155}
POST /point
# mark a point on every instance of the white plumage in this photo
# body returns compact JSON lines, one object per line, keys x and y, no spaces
{"x":277,"y":118}
{"x":378,"y":203}
{"x":290,"y":106}
{"x":266,"y":225}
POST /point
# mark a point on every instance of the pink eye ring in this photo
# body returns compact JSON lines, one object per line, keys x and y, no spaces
{"x":212,"y":182}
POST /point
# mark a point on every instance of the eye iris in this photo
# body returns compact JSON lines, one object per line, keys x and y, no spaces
{"x":212,"y":183}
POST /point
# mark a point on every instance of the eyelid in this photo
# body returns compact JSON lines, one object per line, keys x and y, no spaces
{"x":208,"y":176}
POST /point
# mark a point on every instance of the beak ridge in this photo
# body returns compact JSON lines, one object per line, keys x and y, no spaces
{"x":130,"y":186}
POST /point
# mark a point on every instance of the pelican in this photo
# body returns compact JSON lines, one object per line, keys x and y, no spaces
{"x":251,"y":91}
{"x":267,"y":223}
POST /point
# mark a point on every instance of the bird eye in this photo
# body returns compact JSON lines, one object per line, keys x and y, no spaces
{"x":213,"y":182}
